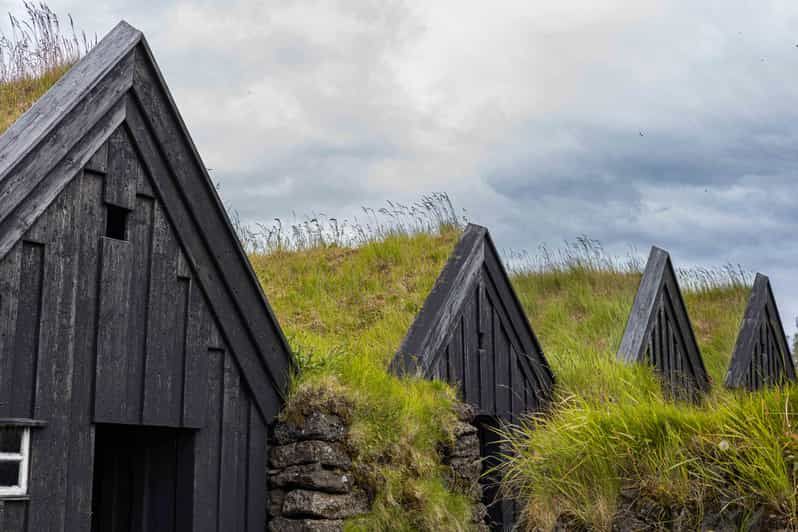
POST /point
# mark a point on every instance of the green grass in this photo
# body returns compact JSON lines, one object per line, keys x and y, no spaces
{"x":38,"y":50}
{"x":611,"y":428}
{"x":345,"y":312}
{"x":16,"y":97}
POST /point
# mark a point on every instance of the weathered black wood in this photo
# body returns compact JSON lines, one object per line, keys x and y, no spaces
{"x":123,"y":171}
{"x":486,"y":353}
{"x":658,"y":331}
{"x":473,"y":319}
{"x":22,"y":422}
{"x":90,"y":227}
{"x":21,"y":208}
{"x":205,"y":211}
{"x":436,"y":319}
{"x":256,"y":465}
{"x":140,"y":235}
{"x":473,"y":333}
{"x":99,"y":161}
{"x":195,"y":402}
{"x":26,"y":340}
{"x":761,"y":354}
{"x":231,"y":426}
{"x":474,"y":263}
{"x":502,"y":369}
{"x":9,"y":300}
{"x":159,"y":407}
{"x":55,"y":361}
{"x":472,"y":391}
{"x":116,"y":260}
{"x":209,"y":445}
{"x":161,"y":323}
{"x":202,"y":259}
{"x":14,"y":517}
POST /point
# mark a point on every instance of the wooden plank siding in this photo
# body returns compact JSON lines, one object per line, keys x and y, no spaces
{"x":472,"y":332}
{"x":659,"y":333}
{"x":159,"y":324}
{"x":761,"y":356}
{"x":72,"y":315}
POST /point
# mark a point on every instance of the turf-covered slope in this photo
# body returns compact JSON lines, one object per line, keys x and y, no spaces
{"x":579,"y":315}
{"x":612,"y":433}
{"x":345,"y":312}
{"x":17,"y":97}
{"x":615,"y":451}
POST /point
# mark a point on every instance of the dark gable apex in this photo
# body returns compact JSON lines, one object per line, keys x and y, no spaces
{"x":761,"y":354}
{"x":473,"y":279}
{"x":118,"y":83}
{"x":659,"y":332}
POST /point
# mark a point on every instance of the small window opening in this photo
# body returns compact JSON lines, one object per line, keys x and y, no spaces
{"x":14,"y":458}
{"x":116,"y":222}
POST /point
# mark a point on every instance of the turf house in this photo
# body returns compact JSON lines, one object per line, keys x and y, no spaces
{"x":659,"y":332}
{"x":146,"y":383}
{"x":140,"y":364}
{"x":472,"y":332}
{"x":761,"y":355}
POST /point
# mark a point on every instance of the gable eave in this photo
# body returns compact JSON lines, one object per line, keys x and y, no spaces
{"x":780,"y":328}
{"x":252,"y":278}
{"x":526,"y":332}
{"x":35,"y":124}
{"x":414,"y":355}
{"x":761,"y":295}
{"x":95,"y":84}
{"x":695,"y":354}
{"x":639,"y":324}
{"x":417,"y":352}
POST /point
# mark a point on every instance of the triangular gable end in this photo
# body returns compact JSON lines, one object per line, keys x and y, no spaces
{"x":659,"y":333}
{"x":761,"y":354}
{"x":472,"y":332}
{"x":118,"y":85}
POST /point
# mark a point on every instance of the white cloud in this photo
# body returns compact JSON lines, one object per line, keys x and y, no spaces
{"x":632,"y":121}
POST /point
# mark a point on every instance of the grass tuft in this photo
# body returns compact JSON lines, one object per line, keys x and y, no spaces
{"x":35,"y":55}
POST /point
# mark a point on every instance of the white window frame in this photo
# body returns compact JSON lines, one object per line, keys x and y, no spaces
{"x":23,"y":459}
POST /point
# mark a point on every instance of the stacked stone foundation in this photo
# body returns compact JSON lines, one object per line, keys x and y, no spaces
{"x":311,"y":485}
{"x":463,"y":458}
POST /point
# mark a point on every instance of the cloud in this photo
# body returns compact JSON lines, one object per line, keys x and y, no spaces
{"x":634,"y":122}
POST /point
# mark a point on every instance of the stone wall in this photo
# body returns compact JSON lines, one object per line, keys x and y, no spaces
{"x":463,"y":457}
{"x":311,"y":485}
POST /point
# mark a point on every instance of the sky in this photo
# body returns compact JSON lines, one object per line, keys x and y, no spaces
{"x":634,"y":122}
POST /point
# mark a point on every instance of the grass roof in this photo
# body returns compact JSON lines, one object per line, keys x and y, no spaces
{"x":18,"y":96}
{"x":345,"y":312}
{"x":34,"y":56}
{"x":611,"y":430}
{"x":346,"y":309}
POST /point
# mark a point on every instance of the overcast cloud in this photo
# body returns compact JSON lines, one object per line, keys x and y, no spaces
{"x":634,"y":122}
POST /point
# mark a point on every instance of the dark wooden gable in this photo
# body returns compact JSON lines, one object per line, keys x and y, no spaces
{"x":116,"y":100}
{"x":659,"y":332}
{"x":126,"y":300}
{"x":472,"y":332}
{"x":761,"y":355}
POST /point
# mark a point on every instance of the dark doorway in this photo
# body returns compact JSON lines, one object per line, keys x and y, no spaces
{"x":501,"y":512}
{"x":143,"y":479}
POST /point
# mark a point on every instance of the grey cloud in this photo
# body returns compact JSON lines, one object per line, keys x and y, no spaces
{"x":529,"y":114}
